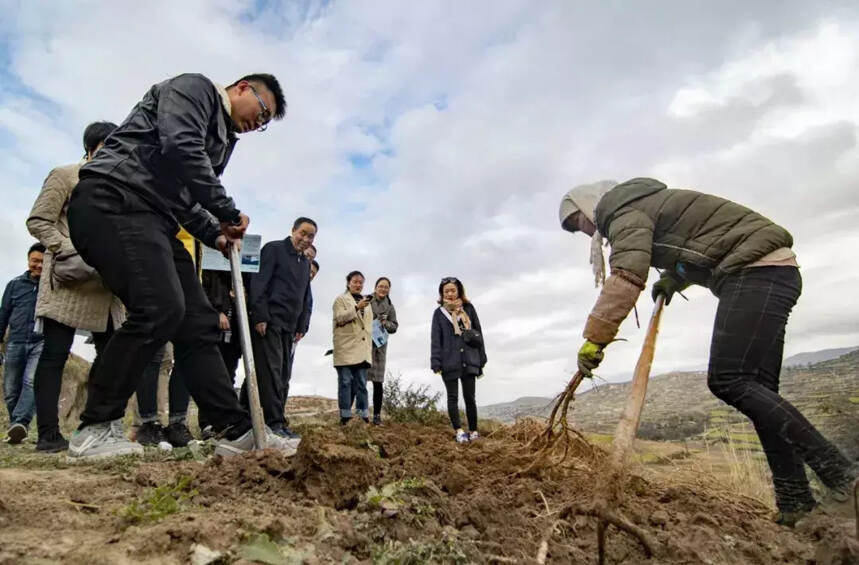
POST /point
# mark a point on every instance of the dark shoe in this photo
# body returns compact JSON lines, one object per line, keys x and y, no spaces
{"x":289,"y":434}
{"x":789,"y":518}
{"x":151,"y":434}
{"x":366,"y":420}
{"x":16,"y":434}
{"x":839,"y":501}
{"x":377,"y":420}
{"x":178,"y":434}
{"x":52,"y":442}
{"x":344,"y":421}
{"x":207,"y":432}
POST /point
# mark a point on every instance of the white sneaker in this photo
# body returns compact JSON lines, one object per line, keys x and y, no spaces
{"x":102,"y":441}
{"x":472,"y":436}
{"x":245,"y":443}
{"x":461,"y":436}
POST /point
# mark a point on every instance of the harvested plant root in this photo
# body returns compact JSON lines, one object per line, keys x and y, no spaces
{"x":558,"y":435}
{"x":605,"y":519}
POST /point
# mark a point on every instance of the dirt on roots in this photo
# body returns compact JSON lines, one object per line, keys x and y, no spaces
{"x":398,"y":493}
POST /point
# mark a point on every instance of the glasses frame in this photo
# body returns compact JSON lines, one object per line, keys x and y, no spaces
{"x":448,"y":280}
{"x":262,"y":113}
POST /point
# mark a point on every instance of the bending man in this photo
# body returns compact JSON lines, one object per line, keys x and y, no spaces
{"x":157,"y":170}
{"x":746,"y":261}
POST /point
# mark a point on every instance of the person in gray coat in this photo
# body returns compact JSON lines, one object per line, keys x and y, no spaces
{"x":385,"y":317}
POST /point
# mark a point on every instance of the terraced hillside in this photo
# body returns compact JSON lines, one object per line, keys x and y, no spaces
{"x":679,"y":405}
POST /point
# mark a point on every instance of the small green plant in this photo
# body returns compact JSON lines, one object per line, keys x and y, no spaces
{"x":411,"y":404}
{"x":414,"y":553}
{"x":262,"y":549}
{"x":390,"y":493}
{"x":159,"y":502}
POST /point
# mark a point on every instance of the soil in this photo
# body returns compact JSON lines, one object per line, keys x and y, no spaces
{"x":398,"y":493}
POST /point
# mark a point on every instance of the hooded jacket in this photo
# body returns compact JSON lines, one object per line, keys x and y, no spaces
{"x":697,"y":238}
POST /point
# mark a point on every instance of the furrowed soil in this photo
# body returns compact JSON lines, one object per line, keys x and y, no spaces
{"x":398,"y":493}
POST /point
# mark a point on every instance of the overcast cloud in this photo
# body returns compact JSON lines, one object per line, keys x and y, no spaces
{"x":436,"y":138}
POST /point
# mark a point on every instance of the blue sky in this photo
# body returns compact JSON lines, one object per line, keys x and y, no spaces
{"x":430,"y":139}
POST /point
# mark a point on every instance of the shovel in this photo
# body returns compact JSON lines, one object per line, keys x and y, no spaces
{"x":628,"y":424}
{"x":247,"y":351}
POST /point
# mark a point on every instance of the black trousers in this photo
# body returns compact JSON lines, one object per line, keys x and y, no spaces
{"x":136,"y":252}
{"x":378,"y":390}
{"x":272,"y":354}
{"x":231,"y":353}
{"x":48,"y":380}
{"x":468,"y":389}
{"x":745,"y":364}
{"x":147,"y":392}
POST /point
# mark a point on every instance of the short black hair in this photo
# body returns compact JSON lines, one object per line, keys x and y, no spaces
{"x":273,"y":86}
{"x":352,"y":275}
{"x":96,"y":133}
{"x":302,"y":220}
{"x":314,"y":263}
{"x":36,"y":247}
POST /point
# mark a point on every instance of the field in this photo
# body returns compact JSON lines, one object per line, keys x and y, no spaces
{"x":400,"y":493}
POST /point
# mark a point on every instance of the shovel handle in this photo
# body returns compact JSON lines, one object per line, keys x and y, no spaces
{"x":257,"y":418}
{"x":627,"y":427}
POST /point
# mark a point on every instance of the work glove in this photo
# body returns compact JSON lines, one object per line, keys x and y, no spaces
{"x":590,"y":357}
{"x":667,"y":285}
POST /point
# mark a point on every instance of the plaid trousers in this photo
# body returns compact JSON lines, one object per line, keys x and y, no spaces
{"x":745,"y":363}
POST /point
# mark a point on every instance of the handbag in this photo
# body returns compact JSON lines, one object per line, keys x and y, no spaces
{"x":472,"y":337}
{"x":69,"y":269}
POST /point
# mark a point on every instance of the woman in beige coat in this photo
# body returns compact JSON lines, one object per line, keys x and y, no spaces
{"x":71,"y":294}
{"x":353,"y":347}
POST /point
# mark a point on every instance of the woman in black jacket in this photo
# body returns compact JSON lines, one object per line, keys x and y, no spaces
{"x":458,"y":353}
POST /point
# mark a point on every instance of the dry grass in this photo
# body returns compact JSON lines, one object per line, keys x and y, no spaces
{"x":744,"y":471}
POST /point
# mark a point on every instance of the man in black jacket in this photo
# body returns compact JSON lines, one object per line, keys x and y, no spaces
{"x":280,"y":312}
{"x":157,"y":170}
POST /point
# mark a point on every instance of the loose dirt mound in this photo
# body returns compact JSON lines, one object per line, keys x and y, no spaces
{"x":395,"y":494}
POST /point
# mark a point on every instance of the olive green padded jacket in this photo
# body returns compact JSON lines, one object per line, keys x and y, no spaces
{"x":648,"y":224}
{"x":699,"y":238}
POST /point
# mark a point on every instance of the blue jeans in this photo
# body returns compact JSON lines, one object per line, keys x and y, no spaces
{"x":21,"y":361}
{"x":352,"y":382}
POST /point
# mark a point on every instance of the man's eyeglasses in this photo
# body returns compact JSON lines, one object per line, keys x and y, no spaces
{"x":448,"y":280}
{"x":264,"y":116}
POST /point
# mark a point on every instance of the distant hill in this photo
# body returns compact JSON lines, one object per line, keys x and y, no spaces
{"x":817,"y":356}
{"x":680,"y":406}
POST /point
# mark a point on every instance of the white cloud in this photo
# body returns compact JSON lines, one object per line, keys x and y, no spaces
{"x":475,"y":119}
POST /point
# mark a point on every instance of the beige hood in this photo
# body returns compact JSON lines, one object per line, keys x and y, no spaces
{"x":584,"y":198}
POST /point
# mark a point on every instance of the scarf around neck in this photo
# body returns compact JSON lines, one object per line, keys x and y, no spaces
{"x":456,"y":314}
{"x":584,"y":198}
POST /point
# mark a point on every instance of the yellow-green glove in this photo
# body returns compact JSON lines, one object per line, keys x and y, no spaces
{"x":590,"y":357}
